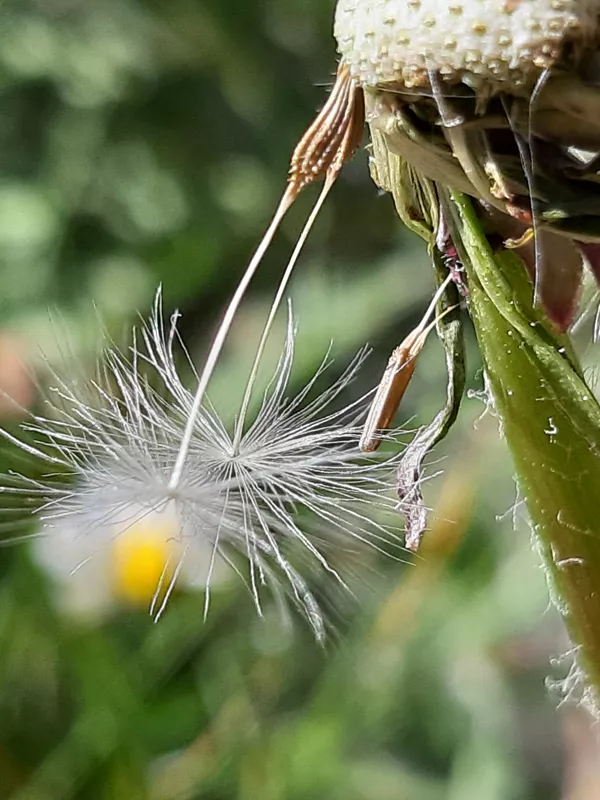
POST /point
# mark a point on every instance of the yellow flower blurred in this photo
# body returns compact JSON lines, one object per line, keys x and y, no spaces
{"x":141,"y":561}
{"x":132,"y":561}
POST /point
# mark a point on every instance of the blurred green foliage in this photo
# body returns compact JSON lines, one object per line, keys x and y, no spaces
{"x":145,"y":143}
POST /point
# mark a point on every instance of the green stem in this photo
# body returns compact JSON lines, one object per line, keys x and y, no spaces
{"x":551,"y":422}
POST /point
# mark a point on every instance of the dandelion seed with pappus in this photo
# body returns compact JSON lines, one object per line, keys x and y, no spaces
{"x":274,"y":498}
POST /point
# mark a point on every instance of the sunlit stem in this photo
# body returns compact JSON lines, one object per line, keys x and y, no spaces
{"x":239,"y":428}
{"x":219,"y":340}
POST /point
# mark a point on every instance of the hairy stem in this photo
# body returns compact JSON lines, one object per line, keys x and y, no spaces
{"x":551,"y":422}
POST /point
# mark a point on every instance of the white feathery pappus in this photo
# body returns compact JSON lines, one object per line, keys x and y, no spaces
{"x":275,"y":498}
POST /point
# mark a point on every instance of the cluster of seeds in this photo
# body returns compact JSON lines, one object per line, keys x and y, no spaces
{"x":497,"y":99}
{"x":498,"y":41}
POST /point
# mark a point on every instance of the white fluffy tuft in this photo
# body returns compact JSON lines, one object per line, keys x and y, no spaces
{"x":292,"y":493}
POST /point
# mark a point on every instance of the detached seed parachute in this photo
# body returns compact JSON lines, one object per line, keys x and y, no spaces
{"x":285,"y":493}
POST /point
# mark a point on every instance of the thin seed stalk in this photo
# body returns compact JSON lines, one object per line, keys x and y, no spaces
{"x":551,"y":422}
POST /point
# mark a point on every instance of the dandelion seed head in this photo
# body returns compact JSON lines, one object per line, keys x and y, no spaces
{"x":498,"y":43}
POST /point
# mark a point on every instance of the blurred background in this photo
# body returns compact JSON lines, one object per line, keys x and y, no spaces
{"x":146,"y":143}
